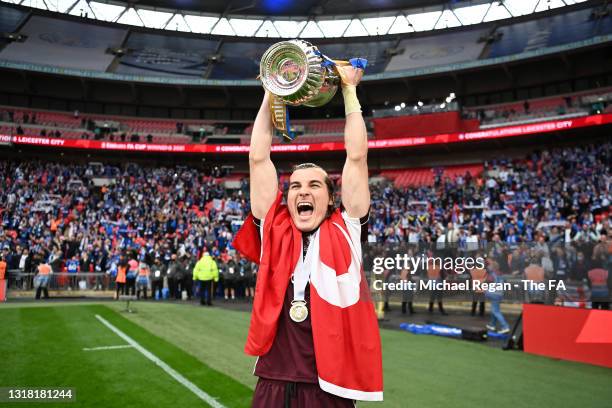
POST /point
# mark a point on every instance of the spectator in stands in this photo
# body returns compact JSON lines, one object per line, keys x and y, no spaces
{"x":55,"y":260}
{"x":535,"y":272}
{"x":407,"y":294}
{"x":436,"y":274}
{"x":11,"y":257}
{"x":144,"y":202}
{"x":206,"y":273}
{"x":142,"y":280}
{"x":602,"y":252}
{"x":86,"y":262}
{"x":41,"y":281}
{"x":3,"y":276}
{"x":562,"y":262}
{"x":478,"y":295}
{"x":495,"y":297}
{"x":121,"y":279}
{"x":187,"y":276}
{"x":158,"y":273}
{"x":100,"y":258}
{"x":600,"y":283}
{"x":243,"y":267}
{"x":73,"y":267}
{"x":230,"y":277}
{"x":130,"y":277}
{"x":580,"y":269}
{"x":175,"y":276}
{"x":25,"y":262}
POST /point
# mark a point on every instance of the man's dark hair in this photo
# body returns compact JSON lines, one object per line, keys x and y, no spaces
{"x":328,"y":183}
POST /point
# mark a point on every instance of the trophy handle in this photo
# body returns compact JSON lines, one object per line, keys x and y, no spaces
{"x":280,"y":116}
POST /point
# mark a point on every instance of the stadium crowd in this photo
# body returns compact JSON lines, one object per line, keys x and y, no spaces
{"x":562,"y":194}
{"x":63,"y":215}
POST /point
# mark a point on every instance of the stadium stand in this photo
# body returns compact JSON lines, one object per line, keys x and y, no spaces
{"x":161,"y":55}
{"x":163,"y":131}
{"x":426,"y":176}
{"x":422,"y":125}
{"x":548,"y":32}
{"x":52,"y":41}
{"x":441,"y":49}
{"x":510,"y":198}
{"x":239,"y":60}
{"x":405,"y":123}
{"x":568,"y":105}
{"x":165,"y":209}
{"x":11,"y":19}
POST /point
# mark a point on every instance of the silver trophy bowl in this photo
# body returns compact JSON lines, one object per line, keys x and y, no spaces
{"x":294,"y":72}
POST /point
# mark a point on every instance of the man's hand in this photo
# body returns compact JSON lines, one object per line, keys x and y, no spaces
{"x":349,"y":74}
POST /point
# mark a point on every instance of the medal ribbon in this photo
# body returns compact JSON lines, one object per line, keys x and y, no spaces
{"x":301,"y":275}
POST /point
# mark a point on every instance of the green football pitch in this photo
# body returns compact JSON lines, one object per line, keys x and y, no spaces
{"x":178,"y":355}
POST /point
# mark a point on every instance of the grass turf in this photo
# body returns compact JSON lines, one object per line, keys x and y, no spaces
{"x":43,"y":347}
{"x":202,"y":343}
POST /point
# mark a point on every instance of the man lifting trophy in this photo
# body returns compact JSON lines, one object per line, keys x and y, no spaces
{"x":313,"y":324}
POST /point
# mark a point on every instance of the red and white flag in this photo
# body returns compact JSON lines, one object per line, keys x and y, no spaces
{"x":344,"y":326}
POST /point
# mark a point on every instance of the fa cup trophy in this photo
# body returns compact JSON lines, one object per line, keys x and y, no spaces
{"x":296,"y":73}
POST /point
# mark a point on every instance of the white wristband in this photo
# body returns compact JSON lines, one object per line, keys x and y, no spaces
{"x":351,"y":103}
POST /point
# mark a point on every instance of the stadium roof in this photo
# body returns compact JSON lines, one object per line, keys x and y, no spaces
{"x":288,"y":8}
{"x":298,"y":19}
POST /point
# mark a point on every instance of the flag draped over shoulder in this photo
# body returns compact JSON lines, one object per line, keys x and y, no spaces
{"x":344,"y":327}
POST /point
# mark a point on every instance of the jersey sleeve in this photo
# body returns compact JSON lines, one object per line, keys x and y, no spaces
{"x":357,"y":229}
{"x":259,"y":224}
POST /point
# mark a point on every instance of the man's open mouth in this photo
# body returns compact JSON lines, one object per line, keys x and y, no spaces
{"x":305,"y":209}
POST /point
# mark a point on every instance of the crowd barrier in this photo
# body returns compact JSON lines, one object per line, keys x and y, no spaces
{"x":62,"y":281}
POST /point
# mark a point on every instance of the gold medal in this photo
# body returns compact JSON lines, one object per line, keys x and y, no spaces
{"x":298,"y":311}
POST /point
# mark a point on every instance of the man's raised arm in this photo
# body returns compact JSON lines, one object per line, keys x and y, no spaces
{"x":263,"y":178}
{"x":355,"y":188}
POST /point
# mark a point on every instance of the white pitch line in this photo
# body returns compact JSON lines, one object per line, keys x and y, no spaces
{"x":171,"y":371}
{"x":107,"y":347}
